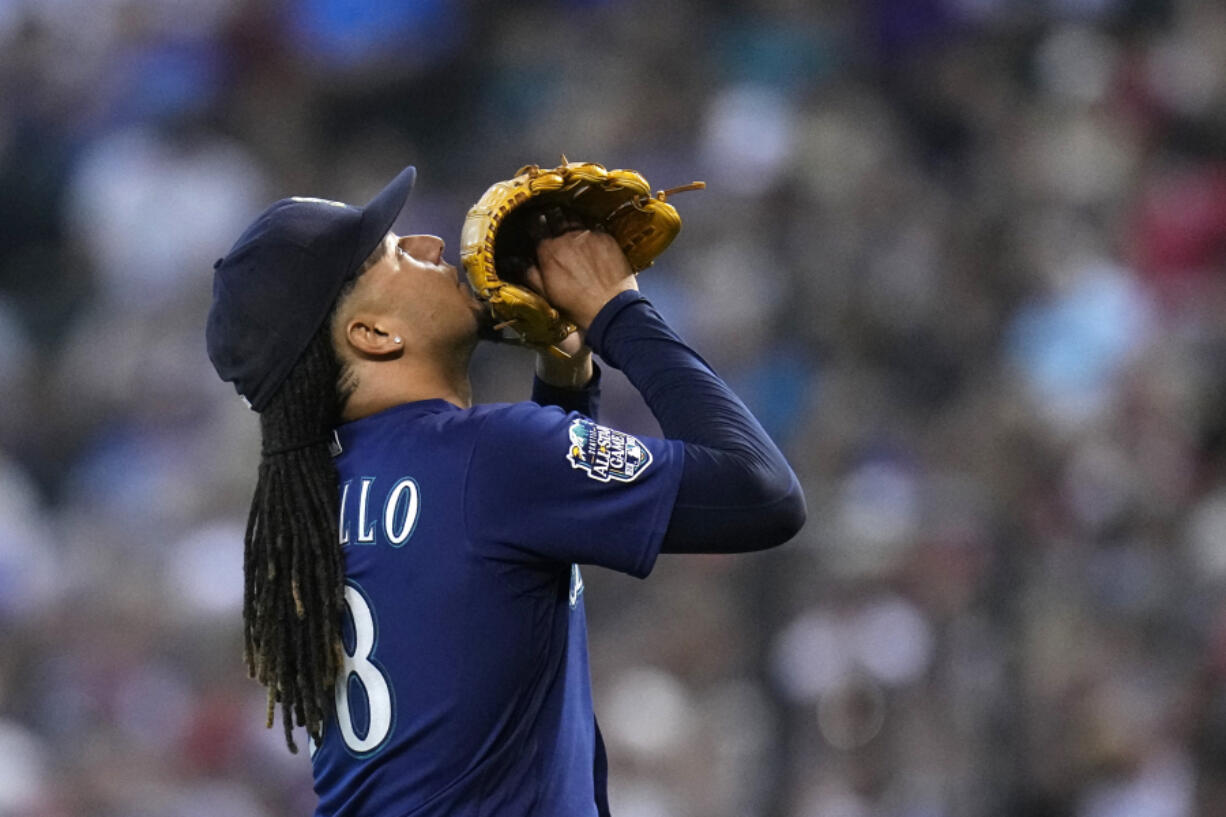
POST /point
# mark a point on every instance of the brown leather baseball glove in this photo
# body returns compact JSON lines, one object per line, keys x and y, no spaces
{"x":498,"y":242}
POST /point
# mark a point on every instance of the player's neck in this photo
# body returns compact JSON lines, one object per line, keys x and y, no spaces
{"x":383,"y":386}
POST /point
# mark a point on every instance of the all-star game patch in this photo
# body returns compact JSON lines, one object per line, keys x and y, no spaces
{"x":606,"y":454}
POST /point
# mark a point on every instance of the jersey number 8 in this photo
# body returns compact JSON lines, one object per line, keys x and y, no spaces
{"x":359,"y":665}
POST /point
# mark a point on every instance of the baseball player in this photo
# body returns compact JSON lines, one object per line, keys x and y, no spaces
{"x":413,"y":587}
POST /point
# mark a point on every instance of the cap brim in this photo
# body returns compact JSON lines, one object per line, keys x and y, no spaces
{"x":380,"y":214}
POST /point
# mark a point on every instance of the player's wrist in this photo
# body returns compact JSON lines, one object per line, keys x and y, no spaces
{"x":565,"y":373}
{"x":599,"y":327}
{"x":596,"y":305}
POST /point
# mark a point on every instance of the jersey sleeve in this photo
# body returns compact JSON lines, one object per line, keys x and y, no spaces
{"x":544,"y":485}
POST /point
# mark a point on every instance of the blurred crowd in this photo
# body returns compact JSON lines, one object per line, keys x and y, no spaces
{"x":966,"y":259}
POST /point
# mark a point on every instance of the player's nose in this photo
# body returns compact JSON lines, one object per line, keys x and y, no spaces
{"x":425,"y":247}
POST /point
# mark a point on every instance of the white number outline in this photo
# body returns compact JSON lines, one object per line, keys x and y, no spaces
{"x":371,"y":676}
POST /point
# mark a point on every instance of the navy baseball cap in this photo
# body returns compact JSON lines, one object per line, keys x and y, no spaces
{"x":275,"y":288}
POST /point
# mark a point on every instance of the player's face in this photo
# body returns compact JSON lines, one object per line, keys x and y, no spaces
{"x":413,"y":282}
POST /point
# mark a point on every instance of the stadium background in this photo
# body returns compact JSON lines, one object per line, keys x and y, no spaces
{"x":965,"y":258}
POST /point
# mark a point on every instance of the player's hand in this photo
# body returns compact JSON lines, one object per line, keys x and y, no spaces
{"x":581,"y":271}
{"x":573,"y":368}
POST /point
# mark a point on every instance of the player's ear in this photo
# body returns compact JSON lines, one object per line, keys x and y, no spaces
{"x":372,"y":338}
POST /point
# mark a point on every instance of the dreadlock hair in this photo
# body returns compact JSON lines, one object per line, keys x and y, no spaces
{"x":293,"y":564}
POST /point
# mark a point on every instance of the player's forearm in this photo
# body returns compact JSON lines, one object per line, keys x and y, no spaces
{"x":690,"y":401}
{"x":737,"y":491}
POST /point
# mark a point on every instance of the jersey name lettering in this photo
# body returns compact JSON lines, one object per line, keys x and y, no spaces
{"x":392,"y":513}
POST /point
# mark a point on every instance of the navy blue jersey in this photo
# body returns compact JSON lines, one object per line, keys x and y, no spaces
{"x":467,"y":690}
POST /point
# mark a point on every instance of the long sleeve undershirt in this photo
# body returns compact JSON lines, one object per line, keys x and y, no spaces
{"x":586,"y":400}
{"x":737,"y":491}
